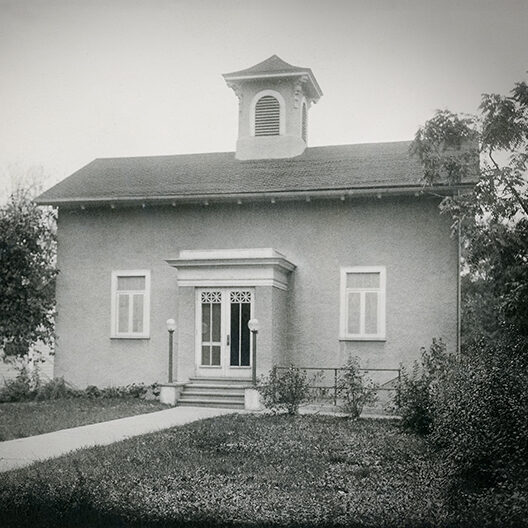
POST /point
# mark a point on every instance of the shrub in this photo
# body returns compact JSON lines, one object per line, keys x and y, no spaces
{"x":56,"y":389}
{"x":416,"y":388}
{"x":23,"y":386}
{"x":354,"y":389}
{"x":285,"y":389}
{"x":27,"y":386}
{"x":481,"y":417}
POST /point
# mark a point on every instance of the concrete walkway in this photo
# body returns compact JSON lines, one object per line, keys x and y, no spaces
{"x":22,"y":452}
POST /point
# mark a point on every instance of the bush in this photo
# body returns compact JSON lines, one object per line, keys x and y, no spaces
{"x":355,"y":391}
{"x":56,"y":389}
{"x":415,"y":393}
{"x":481,"y":417}
{"x":285,"y":389}
{"x":28,"y":386}
{"x":23,"y":386}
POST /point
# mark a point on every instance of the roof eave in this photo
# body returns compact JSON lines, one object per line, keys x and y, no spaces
{"x":248,"y":77}
{"x":345,"y":193}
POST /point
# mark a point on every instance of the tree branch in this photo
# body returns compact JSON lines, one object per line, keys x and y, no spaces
{"x":512,"y":188}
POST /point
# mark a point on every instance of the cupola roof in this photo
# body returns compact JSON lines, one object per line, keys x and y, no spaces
{"x":274,"y":66}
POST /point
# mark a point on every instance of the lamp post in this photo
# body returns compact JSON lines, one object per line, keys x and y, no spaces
{"x":253,"y":325}
{"x":171,"y":326}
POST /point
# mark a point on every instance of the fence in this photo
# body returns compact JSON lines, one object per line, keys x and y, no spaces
{"x":335,"y":388}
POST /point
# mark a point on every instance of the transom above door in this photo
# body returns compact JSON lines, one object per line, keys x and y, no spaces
{"x":223,"y":339}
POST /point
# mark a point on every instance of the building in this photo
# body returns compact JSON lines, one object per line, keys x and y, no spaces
{"x":338,"y":251}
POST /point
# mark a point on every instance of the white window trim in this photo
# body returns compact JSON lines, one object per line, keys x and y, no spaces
{"x":114,"y":334}
{"x":282,"y":110}
{"x":304,"y":104}
{"x":343,"y":335}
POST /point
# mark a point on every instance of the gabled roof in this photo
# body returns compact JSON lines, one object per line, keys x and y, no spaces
{"x":345,"y":169}
{"x":274,"y":66}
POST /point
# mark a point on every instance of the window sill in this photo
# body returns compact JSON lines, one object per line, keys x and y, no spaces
{"x":129,"y":337}
{"x":362,"y":338}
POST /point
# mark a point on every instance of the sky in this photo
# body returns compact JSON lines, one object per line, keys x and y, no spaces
{"x":87,"y":79}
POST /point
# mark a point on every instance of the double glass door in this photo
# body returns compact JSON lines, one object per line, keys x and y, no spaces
{"x":223,"y":337}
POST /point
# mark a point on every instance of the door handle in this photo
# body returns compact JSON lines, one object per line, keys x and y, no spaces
{"x":227,"y":340}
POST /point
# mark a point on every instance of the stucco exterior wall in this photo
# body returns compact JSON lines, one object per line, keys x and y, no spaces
{"x":407,"y":235}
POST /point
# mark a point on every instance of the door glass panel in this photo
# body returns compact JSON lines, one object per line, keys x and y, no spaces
{"x":244,"y":338}
{"x":215,"y":356}
{"x":206,"y":319}
{"x":206,"y":355}
{"x":216,"y":323}
{"x":235,"y":335}
{"x":371,"y":313}
{"x":240,"y":315}
{"x":354,"y":302}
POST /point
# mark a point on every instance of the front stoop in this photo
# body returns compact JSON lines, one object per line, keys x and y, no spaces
{"x":227,"y":393}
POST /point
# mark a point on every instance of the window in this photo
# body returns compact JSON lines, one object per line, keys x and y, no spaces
{"x":130,"y":304}
{"x":267,"y":116}
{"x":363,"y":303}
{"x":304,"y":123}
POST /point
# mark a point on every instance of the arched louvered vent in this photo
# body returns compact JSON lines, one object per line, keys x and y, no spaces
{"x":304,"y":123}
{"x":267,"y":116}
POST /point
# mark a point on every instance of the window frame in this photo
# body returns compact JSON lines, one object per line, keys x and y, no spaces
{"x":114,"y":306}
{"x":282,"y":116}
{"x":344,"y":291}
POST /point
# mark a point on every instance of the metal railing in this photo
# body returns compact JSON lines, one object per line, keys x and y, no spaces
{"x":335,"y":388}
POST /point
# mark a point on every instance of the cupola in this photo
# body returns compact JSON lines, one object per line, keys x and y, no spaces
{"x":274,"y":99}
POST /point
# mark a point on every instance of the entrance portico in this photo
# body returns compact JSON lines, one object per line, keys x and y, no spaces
{"x":218,"y":292}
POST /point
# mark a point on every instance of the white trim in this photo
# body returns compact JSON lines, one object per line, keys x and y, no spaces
{"x":244,"y":267}
{"x":304,"y":105}
{"x":234,"y":283}
{"x":282,"y":110}
{"x":224,"y":368}
{"x":343,"y":293}
{"x":145,"y":334}
{"x":315,"y":85}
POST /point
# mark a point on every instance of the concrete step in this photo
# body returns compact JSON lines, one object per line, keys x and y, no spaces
{"x":220,"y":381}
{"x":216,"y":387}
{"x":213,"y":394}
{"x":211,"y":403}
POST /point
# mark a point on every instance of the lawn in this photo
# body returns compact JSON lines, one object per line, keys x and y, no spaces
{"x":237,"y":470}
{"x":32,"y":418}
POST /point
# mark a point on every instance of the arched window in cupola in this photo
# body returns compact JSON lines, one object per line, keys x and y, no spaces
{"x":267,"y":116}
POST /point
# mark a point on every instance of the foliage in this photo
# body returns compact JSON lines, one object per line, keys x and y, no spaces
{"x":285,"y":389}
{"x":417,"y":388}
{"x":477,"y":413}
{"x":481,"y":416}
{"x":238,"y":470}
{"x":28,"y":386}
{"x":492,"y":218}
{"x":354,"y":389}
{"x":27,"y":273}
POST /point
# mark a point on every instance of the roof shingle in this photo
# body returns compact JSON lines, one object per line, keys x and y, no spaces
{"x":329,"y":168}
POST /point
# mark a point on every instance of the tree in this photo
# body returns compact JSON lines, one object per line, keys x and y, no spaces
{"x":27,"y":273}
{"x":479,"y":409}
{"x":492,"y":219}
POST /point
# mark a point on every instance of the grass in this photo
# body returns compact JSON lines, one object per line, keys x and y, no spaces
{"x":237,"y":470}
{"x":22,"y":419}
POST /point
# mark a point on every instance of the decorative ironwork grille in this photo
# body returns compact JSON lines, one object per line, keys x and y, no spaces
{"x":211,"y":296}
{"x":240,"y":296}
